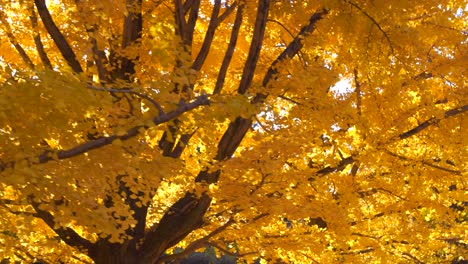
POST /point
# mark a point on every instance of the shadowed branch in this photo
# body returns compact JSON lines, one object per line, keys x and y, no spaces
{"x":57,"y":36}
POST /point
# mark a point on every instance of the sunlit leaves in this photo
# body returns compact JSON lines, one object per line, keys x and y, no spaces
{"x":328,"y":172}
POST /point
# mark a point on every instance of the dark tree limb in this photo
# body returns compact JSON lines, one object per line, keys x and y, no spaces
{"x":327,"y":170}
{"x":67,"y":234}
{"x":57,"y":36}
{"x":49,"y":155}
{"x":190,"y":204}
{"x":175,"y":149}
{"x":182,"y":218}
{"x":255,"y":46}
{"x":99,"y":58}
{"x":191,"y":21}
{"x":139,"y":212}
{"x":205,"y":48}
{"x":230,"y":50}
{"x":237,"y":129}
{"x":12,"y":39}
{"x":295,"y":46}
{"x":212,"y":26}
{"x":132,"y":30}
{"x":415,"y":260}
{"x":179,"y":15}
{"x":433,"y":121}
{"x":358,"y":92}
{"x":199,"y":243}
{"x":37,"y":40}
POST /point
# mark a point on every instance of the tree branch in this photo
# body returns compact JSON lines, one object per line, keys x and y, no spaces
{"x":205,"y":48}
{"x":375,"y":23}
{"x":13,"y":41}
{"x":230,"y":50}
{"x":182,"y":218}
{"x":327,"y":170}
{"x":424,"y":163}
{"x":255,"y":46}
{"x":144,"y":96}
{"x":433,"y":121}
{"x":57,"y":36}
{"x":295,"y":46}
{"x":212,"y":26}
{"x":199,"y":243}
{"x":358,"y":91}
{"x":191,"y":21}
{"x":49,"y":155}
{"x":132,"y":30}
{"x":37,"y":40}
{"x":67,"y":234}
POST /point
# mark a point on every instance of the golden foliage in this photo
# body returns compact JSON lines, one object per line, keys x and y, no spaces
{"x":340,"y":139}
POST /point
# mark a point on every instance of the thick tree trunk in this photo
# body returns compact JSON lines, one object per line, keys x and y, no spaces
{"x":112,"y":253}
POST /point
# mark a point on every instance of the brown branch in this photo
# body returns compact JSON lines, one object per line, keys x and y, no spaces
{"x":255,"y":46}
{"x":179,"y":14}
{"x":181,"y":219}
{"x":433,"y":121}
{"x":327,"y":170}
{"x":191,"y":21}
{"x":226,"y":13}
{"x":358,"y":92}
{"x":295,"y":46}
{"x":139,"y":211}
{"x":281,"y":25}
{"x":57,"y":36}
{"x":37,"y":40}
{"x":12,"y":39}
{"x":230,"y":50}
{"x":205,"y":48}
{"x":99,"y":58}
{"x":361,"y":251}
{"x":132,"y":30}
{"x":416,"y":260}
{"x":9,"y":201}
{"x":289,"y":99}
{"x":212,"y":26}
{"x":49,"y":155}
{"x":237,"y":129}
{"x":68,"y":235}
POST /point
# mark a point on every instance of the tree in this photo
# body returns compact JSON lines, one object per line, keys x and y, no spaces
{"x":294,"y":131}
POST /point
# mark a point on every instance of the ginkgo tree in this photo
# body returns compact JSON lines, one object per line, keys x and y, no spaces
{"x":140,"y":131}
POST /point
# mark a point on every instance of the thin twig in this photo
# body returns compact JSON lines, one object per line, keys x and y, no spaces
{"x":261,"y":125}
{"x":156,"y":104}
{"x":374,"y":22}
{"x":423,"y":162}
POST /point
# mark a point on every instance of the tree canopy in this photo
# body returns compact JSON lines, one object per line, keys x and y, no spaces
{"x":326,"y":131}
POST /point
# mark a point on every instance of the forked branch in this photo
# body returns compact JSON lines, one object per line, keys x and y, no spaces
{"x":57,"y":36}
